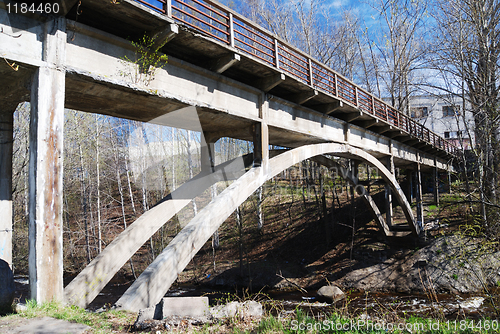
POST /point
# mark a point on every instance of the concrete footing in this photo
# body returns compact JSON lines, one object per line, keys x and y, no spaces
{"x":184,"y":307}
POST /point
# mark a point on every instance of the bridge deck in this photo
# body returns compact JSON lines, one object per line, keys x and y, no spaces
{"x":212,"y":34}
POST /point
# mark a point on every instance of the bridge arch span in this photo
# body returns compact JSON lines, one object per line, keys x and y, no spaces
{"x":155,"y":281}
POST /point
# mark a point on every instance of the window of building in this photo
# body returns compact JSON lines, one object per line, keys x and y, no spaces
{"x":446,"y":134}
{"x":418,"y":112}
{"x":450,"y":111}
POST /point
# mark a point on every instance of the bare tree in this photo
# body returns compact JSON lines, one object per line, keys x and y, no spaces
{"x":400,"y":48}
{"x":468,"y":49}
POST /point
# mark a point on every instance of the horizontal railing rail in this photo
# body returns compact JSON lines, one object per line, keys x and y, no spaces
{"x":234,"y":30}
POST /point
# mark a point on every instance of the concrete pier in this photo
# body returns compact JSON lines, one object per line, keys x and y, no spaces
{"x":45,"y":169}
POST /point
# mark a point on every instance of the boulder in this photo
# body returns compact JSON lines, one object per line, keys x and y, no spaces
{"x":7,"y":287}
{"x":329,"y":294}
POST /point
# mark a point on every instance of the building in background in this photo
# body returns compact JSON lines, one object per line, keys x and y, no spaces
{"x":444,"y":116}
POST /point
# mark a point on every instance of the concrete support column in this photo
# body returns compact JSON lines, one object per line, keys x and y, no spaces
{"x":388,"y":193}
{"x":261,"y":144}
{"x":436,"y":186}
{"x":46,"y":169}
{"x":261,"y":135}
{"x":6,"y":144}
{"x":420,"y":207}
{"x":208,"y":153}
{"x":409,"y":185}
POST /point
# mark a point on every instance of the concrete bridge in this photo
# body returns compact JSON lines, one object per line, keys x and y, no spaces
{"x":224,"y":74}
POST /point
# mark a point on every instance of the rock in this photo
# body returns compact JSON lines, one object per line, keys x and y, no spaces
{"x":253,"y":309}
{"x":7,"y":287}
{"x":329,"y":294}
{"x":21,"y":308}
{"x":473,"y":302}
{"x":452,"y":263}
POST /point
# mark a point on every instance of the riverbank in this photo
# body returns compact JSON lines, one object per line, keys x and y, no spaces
{"x":298,"y":321}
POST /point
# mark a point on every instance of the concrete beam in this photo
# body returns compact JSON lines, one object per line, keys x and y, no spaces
{"x":163,"y":35}
{"x":269,"y":82}
{"x":368,"y":124}
{"x":303,"y":97}
{"x":221,"y":64}
{"x":66,"y":6}
{"x":330,"y":108}
{"x":6,"y":149}
{"x":383,"y":129}
{"x":46,"y":169}
{"x":349,"y":117}
{"x":395,"y":133}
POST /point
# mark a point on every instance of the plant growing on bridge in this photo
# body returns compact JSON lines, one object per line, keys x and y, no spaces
{"x":147,"y":61}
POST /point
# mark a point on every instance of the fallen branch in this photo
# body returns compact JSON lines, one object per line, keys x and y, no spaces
{"x":296,"y":285}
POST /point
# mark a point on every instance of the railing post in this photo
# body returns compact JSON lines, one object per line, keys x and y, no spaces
{"x":356,"y":95}
{"x":336,"y":84}
{"x":231,"y":30}
{"x":277,"y":53}
{"x":311,"y":80}
{"x":167,"y":7}
{"x":373,"y":105}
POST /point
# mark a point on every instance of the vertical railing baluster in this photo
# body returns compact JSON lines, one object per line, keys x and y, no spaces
{"x":277,"y":53}
{"x":356,"y":95}
{"x":168,"y":8}
{"x":336,"y":84}
{"x":231,"y":30}
{"x":311,"y":79}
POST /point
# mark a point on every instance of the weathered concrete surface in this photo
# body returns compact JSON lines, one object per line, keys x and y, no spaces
{"x":248,"y":309}
{"x":155,"y":281}
{"x":184,"y":307}
{"x":46,"y":169}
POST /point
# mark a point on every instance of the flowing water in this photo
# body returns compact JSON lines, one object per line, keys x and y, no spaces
{"x":449,"y":306}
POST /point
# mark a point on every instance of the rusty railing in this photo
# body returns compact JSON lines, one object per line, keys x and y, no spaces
{"x":234,"y":30}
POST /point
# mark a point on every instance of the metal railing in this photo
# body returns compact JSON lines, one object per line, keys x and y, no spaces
{"x":236,"y":31}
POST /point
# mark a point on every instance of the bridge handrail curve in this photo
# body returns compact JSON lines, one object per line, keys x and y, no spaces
{"x":235,"y":30}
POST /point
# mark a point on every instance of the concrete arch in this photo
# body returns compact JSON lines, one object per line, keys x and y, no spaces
{"x":155,"y":281}
{"x":85,"y":287}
